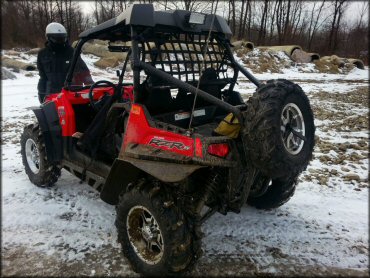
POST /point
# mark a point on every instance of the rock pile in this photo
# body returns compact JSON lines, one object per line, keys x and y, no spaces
{"x":6,"y":74}
{"x":100,"y":49}
{"x":261,"y":60}
{"x":16,"y":65}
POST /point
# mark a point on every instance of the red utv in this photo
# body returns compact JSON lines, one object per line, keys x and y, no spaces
{"x":178,"y":143}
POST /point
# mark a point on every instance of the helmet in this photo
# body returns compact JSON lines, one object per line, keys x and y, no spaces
{"x":56,"y":33}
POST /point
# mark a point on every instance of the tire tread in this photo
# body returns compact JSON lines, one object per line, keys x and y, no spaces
{"x":184,"y":246}
{"x":49,"y":172}
{"x":263,"y":133}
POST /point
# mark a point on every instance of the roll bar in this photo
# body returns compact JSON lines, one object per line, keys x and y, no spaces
{"x":73,"y":61}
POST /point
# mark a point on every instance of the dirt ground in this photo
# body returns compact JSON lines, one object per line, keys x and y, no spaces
{"x":18,"y":262}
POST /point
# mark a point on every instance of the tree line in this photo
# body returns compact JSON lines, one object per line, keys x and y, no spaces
{"x":320,"y":26}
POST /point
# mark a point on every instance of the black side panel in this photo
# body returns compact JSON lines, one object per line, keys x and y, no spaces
{"x":48,"y":119}
{"x":121,"y":174}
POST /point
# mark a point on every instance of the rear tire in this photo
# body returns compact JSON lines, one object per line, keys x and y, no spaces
{"x":274,"y":112}
{"x":277,"y":194}
{"x":40,"y":171}
{"x":179,"y":245}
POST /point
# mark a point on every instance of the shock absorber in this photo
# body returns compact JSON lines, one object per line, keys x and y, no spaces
{"x":211,"y":186}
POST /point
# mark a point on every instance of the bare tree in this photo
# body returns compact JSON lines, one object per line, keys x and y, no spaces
{"x":233,"y":16}
{"x":272,"y":21}
{"x":188,"y":5}
{"x":241,"y":17}
{"x":314,"y":19}
{"x":26,"y":20}
{"x":339,"y":7}
{"x":364,"y":9}
{"x":357,"y":39}
{"x":263,"y":23}
{"x":319,"y":26}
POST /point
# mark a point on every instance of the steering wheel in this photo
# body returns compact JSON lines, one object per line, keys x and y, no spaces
{"x":91,"y":92}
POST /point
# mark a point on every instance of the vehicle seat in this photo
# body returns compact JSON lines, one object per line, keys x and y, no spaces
{"x":185,"y":100}
{"x":159,"y":99}
{"x":209,"y":75}
{"x":90,"y":139}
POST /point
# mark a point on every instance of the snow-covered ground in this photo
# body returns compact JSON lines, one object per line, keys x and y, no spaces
{"x":67,"y":230}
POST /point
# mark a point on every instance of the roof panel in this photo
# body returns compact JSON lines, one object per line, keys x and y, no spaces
{"x":144,"y":15}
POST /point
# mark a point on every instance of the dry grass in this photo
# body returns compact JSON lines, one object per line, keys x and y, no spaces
{"x":326,"y":66}
{"x":265,"y":61}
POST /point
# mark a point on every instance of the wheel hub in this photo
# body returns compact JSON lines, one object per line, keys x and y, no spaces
{"x":145,"y":235}
{"x":292,"y":128}
{"x":32,"y":155}
{"x":147,"y":232}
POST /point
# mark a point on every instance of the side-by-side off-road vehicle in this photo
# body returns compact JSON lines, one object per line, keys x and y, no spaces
{"x":178,"y":143}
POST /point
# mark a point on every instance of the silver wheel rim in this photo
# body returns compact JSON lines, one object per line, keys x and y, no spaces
{"x":32,"y":156}
{"x":144,"y":235}
{"x":292,"y":119}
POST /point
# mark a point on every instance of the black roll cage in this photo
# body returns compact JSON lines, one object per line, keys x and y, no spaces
{"x":137,"y":65}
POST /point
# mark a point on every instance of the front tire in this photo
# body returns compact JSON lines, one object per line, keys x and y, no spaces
{"x":280,"y":129}
{"x":155,"y":235}
{"x":40,"y":171}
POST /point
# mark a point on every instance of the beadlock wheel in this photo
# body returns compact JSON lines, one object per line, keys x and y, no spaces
{"x":38,"y":168}
{"x":280,"y":131}
{"x":32,"y":156}
{"x":156,"y":236}
{"x":145,"y":235}
{"x":292,"y":128}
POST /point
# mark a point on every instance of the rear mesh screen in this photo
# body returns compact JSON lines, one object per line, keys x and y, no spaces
{"x":181,"y":55}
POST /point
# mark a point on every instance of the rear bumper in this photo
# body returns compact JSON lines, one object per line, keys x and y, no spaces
{"x":150,"y":153}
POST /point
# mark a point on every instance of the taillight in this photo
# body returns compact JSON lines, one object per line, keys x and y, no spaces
{"x":220,"y":150}
{"x":198,"y":147}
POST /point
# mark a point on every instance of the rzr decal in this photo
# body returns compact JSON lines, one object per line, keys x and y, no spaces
{"x":169,"y":144}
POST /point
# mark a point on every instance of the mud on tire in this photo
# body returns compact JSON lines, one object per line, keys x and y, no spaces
{"x":277,"y":193}
{"x":181,"y":248}
{"x":268,"y":146}
{"x":40,"y":171}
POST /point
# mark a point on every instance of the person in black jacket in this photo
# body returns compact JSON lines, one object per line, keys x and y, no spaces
{"x":53,"y":63}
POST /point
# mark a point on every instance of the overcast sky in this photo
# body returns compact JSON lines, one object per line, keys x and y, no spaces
{"x":351,"y":13}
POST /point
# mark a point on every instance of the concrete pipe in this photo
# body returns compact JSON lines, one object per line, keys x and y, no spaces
{"x":357,"y":62}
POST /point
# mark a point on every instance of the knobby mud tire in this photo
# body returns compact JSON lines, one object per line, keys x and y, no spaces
{"x":182,"y":247}
{"x":48,"y":172}
{"x":277,"y":194}
{"x":264,"y":143}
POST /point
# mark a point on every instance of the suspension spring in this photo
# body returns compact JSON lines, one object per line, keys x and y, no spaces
{"x":211,"y":186}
